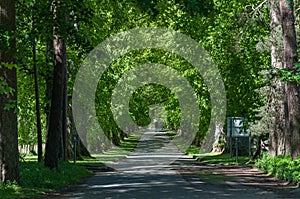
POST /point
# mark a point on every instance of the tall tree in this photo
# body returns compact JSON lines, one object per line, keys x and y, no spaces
{"x":291,"y":94}
{"x":54,"y":141}
{"x":275,"y":103}
{"x":9,"y":155}
{"x":37,"y":93}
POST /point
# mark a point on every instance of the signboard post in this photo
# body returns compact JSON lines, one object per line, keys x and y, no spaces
{"x":236,"y":129}
{"x":75,"y":139}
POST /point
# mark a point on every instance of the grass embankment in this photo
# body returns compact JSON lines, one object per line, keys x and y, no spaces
{"x":36,"y":179}
{"x":216,"y":158}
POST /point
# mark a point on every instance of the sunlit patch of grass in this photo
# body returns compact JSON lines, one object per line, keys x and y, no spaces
{"x":90,"y":161}
{"x":168,"y":133}
{"x":117,"y":153}
{"x":196,"y":152}
{"x":225,"y":159}
{"x":216,"y":157}
{"x":130,"y":143}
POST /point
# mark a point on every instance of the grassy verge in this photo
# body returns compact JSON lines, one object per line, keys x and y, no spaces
{"x":36,"y":179}
{"x":225,"y":159}
{"x":216,"y":158}
{"x":171,"y":134}
{"x":120,"y":152}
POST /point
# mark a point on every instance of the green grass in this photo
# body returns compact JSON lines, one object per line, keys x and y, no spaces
{"x":224,"y":159}
{"x":120,"y":152}
{"x":89,"y":161}
{"x":36,"y":179}
{"x":130,"y":143}
{"x":216,"y":158}
{"x":169,"y":133}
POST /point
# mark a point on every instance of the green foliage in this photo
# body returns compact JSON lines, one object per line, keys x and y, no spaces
{"x":280,"y":166}
{"x":26,"y":109}
{"x":5,"y":38}
{"x":9,"y":190}
{"x":286,"y":75}
{"x":4,"y":88}
{"x":236,"y":55}
{"x":44,"y":178}
{"x":36,"y":179}
{"x":31,"y":19}
{"x":91,"y":22}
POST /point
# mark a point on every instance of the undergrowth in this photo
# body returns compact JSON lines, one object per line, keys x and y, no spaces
{"x":36,"y":179}
{"x":281,"y":167}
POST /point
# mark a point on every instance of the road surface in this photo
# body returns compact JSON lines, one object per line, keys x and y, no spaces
{"x":157,"y":169}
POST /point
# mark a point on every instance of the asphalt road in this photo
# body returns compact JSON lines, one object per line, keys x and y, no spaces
{"x":157,"y":169}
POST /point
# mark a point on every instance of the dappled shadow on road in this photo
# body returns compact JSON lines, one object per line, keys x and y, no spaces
{"x":157,"y":169}
{"x":160,"y":185}
{"x":236,"y":175}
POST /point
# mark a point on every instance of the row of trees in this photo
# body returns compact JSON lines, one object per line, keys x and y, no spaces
{"x":55,"y":36}
{"x":279,"y":117}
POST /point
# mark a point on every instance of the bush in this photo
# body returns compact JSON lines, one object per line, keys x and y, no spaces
{"x":281,"y":167}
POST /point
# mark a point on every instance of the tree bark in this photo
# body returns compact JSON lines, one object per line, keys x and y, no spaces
{"x":65,"y":118}
{"x":54,"y":141}
{"x":81,"y":149}
{"x":291,"y":95}
{"x":9,"y":155}
{"x":276,"y":102}
{"x":49,"y":79}
{"x":37,"y":93}
{"x":220,"y":139}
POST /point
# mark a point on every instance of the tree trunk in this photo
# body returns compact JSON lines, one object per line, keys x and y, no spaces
{"x":291,"y":94}
{"x":49,"y":79}
{"x":65,"y":118}
{"x":9,"y":155}
{"x":37,"y":94}
{"x":54,"y":140}
{"x":71,"y":129}
{"x":220,"y":139}
{"x":276,"y":102}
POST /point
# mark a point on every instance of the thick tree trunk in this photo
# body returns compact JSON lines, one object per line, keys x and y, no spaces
{"x":54,"y":141}
{"x":220,"y":139}
{"x":291,"y":95}
{"x":276,"y":102}
{"x":9,"y":155}
{"x":48,"y":79}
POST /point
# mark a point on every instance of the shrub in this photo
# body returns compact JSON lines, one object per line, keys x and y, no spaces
{"x":282,"y":167}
